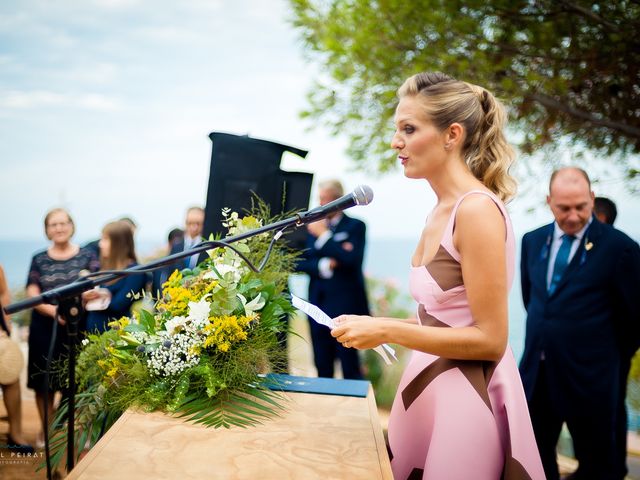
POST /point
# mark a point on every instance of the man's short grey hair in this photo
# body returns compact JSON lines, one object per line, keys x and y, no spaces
{"x":333,"y":185}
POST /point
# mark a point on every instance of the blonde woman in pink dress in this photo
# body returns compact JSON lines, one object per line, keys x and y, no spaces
{"x":460,"y":412}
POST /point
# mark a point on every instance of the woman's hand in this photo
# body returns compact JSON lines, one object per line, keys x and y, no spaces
{"x":358,"y":331}
{"x":90,"y":295}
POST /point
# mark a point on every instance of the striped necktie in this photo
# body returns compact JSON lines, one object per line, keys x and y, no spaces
{"x":562,"y":260}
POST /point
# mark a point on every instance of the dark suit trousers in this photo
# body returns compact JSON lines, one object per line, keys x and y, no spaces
{"x":592,"y":434}
{"x":622,"y":420}
{"x":325,"y":351}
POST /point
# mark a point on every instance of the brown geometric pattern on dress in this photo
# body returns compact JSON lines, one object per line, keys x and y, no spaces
{"x":477,"y":372}
{"x":428,"y":320}
{"x":513,"y":469}
{"x":416,"y":474}
{"x":445,"y":270}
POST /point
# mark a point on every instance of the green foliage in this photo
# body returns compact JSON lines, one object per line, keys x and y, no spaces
{"x":22,"y":318}
{"x":200,"y":355}
{"x":566,"y":69}
{"x":633,"y":385}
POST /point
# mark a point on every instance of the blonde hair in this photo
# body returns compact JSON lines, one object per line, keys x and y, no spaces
{"x":483,"y":117}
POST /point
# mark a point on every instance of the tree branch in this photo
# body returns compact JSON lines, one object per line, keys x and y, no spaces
{"x":588,"y":13}
{"x":552,"y":103}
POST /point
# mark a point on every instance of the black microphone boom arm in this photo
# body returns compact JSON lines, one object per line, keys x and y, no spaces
{"x":362,"y":195}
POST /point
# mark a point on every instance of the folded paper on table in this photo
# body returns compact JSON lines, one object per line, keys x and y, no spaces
{"x":323,"y":319}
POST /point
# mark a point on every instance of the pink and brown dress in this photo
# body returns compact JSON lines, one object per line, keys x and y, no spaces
{"x":459,"y":419}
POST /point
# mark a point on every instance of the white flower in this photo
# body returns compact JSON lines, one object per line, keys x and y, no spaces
{"x":199,"y":311}
{"x":253,"y":306}
{"x":223,"y":269}
{"x":175,"y":325}
{"x":173,"y":356}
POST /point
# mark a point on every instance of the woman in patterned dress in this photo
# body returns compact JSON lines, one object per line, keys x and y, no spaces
{"x":460,"y":410}
{"x":58,"y":265}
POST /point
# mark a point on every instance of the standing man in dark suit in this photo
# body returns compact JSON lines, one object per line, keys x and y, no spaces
{"x":194,"y":222}
{"x":333,"y":261}
{"x":606,"y":211}
{"x":192,"y":235}
{"x":580,"y":285}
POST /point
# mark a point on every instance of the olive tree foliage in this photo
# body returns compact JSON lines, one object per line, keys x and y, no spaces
{"x":568,"y":70}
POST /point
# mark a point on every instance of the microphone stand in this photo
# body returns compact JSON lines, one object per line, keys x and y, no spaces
{"x":69,"y":300}
{"x":71,"y":309}
{"x":69,"y":297}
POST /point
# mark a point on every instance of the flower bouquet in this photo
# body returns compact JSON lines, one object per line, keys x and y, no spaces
{"x":201,"y":354}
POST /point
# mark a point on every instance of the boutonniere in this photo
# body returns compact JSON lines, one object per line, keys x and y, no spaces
{"x":587,"y":246}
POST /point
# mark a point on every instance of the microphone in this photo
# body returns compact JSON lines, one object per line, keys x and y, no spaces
{"x":361,"y":195}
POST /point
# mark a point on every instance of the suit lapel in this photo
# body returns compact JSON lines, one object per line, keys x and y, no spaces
{"x":580,"y":257}
{"x":542,"y":261}
{"x":341,"y":224}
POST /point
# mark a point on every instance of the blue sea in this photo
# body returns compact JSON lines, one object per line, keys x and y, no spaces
{"x":385,"y":259}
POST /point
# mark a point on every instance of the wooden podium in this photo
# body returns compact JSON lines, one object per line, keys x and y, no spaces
{"x":318,"y":436}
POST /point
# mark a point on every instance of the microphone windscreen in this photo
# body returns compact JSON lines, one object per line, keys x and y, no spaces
{"x":363,"y":195}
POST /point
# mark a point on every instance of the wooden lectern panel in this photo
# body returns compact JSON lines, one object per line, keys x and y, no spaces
{"x":316,"y":437}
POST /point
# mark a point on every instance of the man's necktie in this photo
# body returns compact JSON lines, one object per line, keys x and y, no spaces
{"x":562,"y":260}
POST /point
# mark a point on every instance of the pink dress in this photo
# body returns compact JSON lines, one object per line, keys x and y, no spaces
{"x":459,"y":419}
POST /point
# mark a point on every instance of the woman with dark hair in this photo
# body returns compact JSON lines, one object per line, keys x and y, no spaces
{"x":460,"y":411}
{"x":58,"y":265}
{"x":117,"y":252}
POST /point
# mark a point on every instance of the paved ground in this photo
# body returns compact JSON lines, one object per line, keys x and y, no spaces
{"x":22,"y":468}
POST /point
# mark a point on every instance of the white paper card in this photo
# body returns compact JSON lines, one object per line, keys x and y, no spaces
{"x":323,"y":319}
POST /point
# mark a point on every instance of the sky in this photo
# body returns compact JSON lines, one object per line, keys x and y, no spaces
{"x":106,"y":107}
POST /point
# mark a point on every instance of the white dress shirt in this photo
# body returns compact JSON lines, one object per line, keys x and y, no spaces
{"x":555,"y":246}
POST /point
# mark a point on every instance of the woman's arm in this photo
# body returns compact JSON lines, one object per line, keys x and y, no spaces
{"x":33,"y":290}
{"x":5,"y":299}
{"x":480,"y":238}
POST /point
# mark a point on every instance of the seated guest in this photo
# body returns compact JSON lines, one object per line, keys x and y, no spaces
{"x":117,"y":252}
{"x":11,"y":391}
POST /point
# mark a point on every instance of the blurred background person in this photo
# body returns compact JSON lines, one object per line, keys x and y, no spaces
{"x":161,"y":275}
{"x":61,"y":263}
{"x":605,"y":210}
{"x":194,"y":222}
{"x":11,"y":392}
{"x":94,"y":245}
{"x":117,"y":252}
{"x":333,"y":260}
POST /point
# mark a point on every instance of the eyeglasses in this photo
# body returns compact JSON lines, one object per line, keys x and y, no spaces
{"x":59,"y":224}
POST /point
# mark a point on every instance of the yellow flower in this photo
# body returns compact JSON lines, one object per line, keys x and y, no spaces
{"x":222,"y":332}
{"x":120,"y":324}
